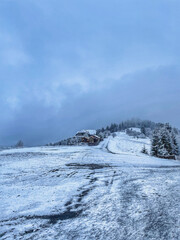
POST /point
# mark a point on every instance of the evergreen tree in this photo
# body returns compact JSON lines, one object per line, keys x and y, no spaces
{"x":175,"y":147}
{"x":120,"y":127}
{"x":164,"y":143}
{"x":143,"y":130}
{"x":155,"y":143}
{"x":144,"y":150}
{"x":107,"y":128}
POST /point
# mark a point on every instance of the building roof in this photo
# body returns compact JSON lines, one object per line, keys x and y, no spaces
{"x":90,"y":132}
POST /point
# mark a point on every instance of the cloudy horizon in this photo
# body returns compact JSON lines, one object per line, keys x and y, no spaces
{"x":70,"y":65}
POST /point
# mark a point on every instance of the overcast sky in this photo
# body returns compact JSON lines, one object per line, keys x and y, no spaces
{"x":67,"y":65}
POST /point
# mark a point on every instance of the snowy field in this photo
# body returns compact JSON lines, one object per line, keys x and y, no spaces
{"x":107,"y":192}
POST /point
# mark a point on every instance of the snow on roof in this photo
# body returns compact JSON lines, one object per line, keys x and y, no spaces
{"x":135,"y":129}
{"x":90,"y":132}
{"x":96,"y":136}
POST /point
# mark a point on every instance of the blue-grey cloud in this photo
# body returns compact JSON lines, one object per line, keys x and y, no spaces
{"x":67,"y":65}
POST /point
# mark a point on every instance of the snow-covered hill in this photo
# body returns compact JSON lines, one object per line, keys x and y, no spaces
{"x":89,"y":193}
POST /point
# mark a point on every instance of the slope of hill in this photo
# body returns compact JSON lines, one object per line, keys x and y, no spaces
{"x":83,"y":192}
{"x":124,"y":144}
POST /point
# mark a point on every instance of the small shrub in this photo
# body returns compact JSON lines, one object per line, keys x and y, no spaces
{"x":144,"y":150}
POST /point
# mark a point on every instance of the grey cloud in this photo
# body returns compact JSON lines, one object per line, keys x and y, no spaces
{"x":150,"y":94}
{"x":67,"y":65}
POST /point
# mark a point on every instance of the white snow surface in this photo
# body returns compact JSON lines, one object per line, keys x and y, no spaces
{"x":111,"y":191}
{"x":124,"y":144}
{"x":138,"y":130}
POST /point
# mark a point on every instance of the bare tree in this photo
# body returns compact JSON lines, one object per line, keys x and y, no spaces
{"x":19,"y":144}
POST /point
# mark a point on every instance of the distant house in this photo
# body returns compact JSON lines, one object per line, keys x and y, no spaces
{"x":94,"y":140}
{"x":88,"y":136}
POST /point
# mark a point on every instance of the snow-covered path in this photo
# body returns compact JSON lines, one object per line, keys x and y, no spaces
{"x":87,"y":193}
